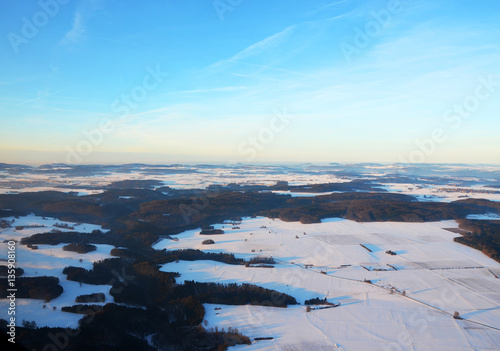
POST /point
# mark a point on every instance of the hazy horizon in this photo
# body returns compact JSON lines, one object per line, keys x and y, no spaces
{"x":158,"y":159}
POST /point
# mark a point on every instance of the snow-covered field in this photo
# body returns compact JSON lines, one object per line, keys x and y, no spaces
{"x":93,"y":181}
{"x":408,"y":305}
{"x":188,"y":177}
{"x":299,"y":194}
{"x":437,"y":275}
{"x":486,"y":216}
{"x":50,"y":260}
{"x":404,"y":301}
{"x":443,"y":193}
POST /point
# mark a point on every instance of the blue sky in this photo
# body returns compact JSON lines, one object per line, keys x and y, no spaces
{"x":357,"y":81}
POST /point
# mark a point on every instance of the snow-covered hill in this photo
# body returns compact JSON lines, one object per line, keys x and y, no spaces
{"x":408,"y":305}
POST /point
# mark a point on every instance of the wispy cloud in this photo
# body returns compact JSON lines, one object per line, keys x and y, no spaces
{"x":212,"y":90}
{"x":41,"y":96}
{"x":334,"y":4}
{"x":260,"y":77}
{"x":259,"y":47}
{"x":277,"y":51}
{"x":77,"y":30}
{"x":172,"y":112}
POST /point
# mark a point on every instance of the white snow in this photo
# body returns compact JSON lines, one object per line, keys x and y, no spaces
{"x":195,"y":177}
{"x":50,"y":260}
{"x":486,"y":216}
{"x":442,"y":193}
{"x":302,"y":194}
{"x":438,"y":276}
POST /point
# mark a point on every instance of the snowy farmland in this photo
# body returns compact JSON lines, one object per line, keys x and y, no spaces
{"x":400,"y":301}
{"x":443,"y":193}
{"x":50,"y":260}
{"x":466,"y":182}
